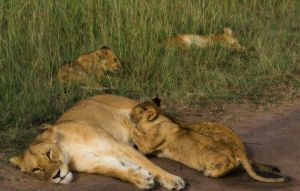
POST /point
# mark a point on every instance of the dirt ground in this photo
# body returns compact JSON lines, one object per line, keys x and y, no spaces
{"x":271,"y":136}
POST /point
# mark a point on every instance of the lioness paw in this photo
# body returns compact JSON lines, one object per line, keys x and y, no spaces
{"x":173,"y":182}
{"x":148,"y":180}
{"x":143,"y":178}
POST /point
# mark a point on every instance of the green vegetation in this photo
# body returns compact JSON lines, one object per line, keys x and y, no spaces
{"x":36,"y":37}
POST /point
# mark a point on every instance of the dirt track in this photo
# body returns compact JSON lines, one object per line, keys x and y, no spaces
{"x":271,"y":137}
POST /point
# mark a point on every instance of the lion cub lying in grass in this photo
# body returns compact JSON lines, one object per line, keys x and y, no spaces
{"x":208,"y":147}
{"x":184,"y":41}
{"x":88,"y":65}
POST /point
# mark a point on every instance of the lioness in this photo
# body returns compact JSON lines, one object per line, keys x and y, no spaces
{"x":87,"y":65}
{"x":90,"y":138}
{"x":208,"y":147}
{"x":184,"y":41}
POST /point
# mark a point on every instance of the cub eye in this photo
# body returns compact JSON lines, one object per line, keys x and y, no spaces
{"x":115,"y":60}
{"x":34,"y":170}
{"x":49,"y":155}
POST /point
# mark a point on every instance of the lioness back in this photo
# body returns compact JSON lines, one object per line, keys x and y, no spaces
{"x":105,"y":111}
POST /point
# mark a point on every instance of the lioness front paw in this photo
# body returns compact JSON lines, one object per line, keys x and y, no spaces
{"x":143,"y":178}
{"x":172,"y":182}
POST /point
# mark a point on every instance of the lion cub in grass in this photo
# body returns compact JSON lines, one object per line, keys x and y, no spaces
{"x":88,"y":65}
{"x":184,"y":41}
{"x":209,"y":147}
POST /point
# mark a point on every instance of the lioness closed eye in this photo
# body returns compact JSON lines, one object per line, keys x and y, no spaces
{"x":208,"y":147}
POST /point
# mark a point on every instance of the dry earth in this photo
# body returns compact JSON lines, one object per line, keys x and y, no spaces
{"x":271,"y":136}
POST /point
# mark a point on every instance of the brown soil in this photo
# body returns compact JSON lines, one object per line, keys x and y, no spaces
{"x":271,"y":136}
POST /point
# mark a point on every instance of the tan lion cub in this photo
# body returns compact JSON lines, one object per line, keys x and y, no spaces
{"x":87,"y":65}
{"x":208,"y":147}
{"x":184,"y":41}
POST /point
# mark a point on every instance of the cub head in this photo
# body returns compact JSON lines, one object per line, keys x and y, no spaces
{"x":231,"y":40}
{"x":43,"y":159}
{"x":145,"y":111}
{"x":148,"y":111}
{"x":108,"y":59}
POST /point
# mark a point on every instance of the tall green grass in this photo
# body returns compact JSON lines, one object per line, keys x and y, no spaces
{"x":37,"y":37}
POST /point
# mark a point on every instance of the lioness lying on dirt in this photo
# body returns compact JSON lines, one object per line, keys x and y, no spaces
{"x":184,"y":41}
{"x":90,"y":138}
{"x":208,"y":147}
{"x":88,"y":65}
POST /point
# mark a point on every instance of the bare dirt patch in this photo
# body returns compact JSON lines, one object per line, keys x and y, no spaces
{"x":271,"y":136}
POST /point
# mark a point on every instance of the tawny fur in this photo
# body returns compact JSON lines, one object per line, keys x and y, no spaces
{"x":184,"y":41}
{"x":208,"y":147}
{"x":90,"y":138}
{"x":86,"y":66}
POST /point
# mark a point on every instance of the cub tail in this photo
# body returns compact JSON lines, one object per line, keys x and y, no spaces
{"x":247,"y":166}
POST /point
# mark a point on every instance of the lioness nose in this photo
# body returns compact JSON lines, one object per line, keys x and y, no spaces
{"x":57,"y":174}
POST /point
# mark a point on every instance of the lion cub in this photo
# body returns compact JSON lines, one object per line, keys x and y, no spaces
{"x":88,"y":65}
{"x":208,"y":147}
{"x":184,"y":41}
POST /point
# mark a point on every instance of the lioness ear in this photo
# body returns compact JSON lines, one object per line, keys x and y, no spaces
{"x":49,"y":155}
{"x":150,"y":114}
{"x":157,"y":101}
{"x":228,"y":31}
{"x":16,"y":160}
{"x":44,"y":127}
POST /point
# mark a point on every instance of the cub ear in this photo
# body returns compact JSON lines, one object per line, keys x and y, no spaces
{"x":228,"y":31}
{"x":16,"y":160}
{"x":150,"y":114}
{"x":105,"y":48}
{"x":104,"y":51}
{"x":157,"y":101}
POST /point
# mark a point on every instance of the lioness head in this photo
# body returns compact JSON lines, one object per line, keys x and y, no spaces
{"x":44,"y":159}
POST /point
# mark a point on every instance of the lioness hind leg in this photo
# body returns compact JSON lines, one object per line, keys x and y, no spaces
{"x":220,"y":168}
{"x":124,"y":170}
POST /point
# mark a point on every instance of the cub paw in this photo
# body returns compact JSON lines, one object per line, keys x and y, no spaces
{"x":172,"y":182}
